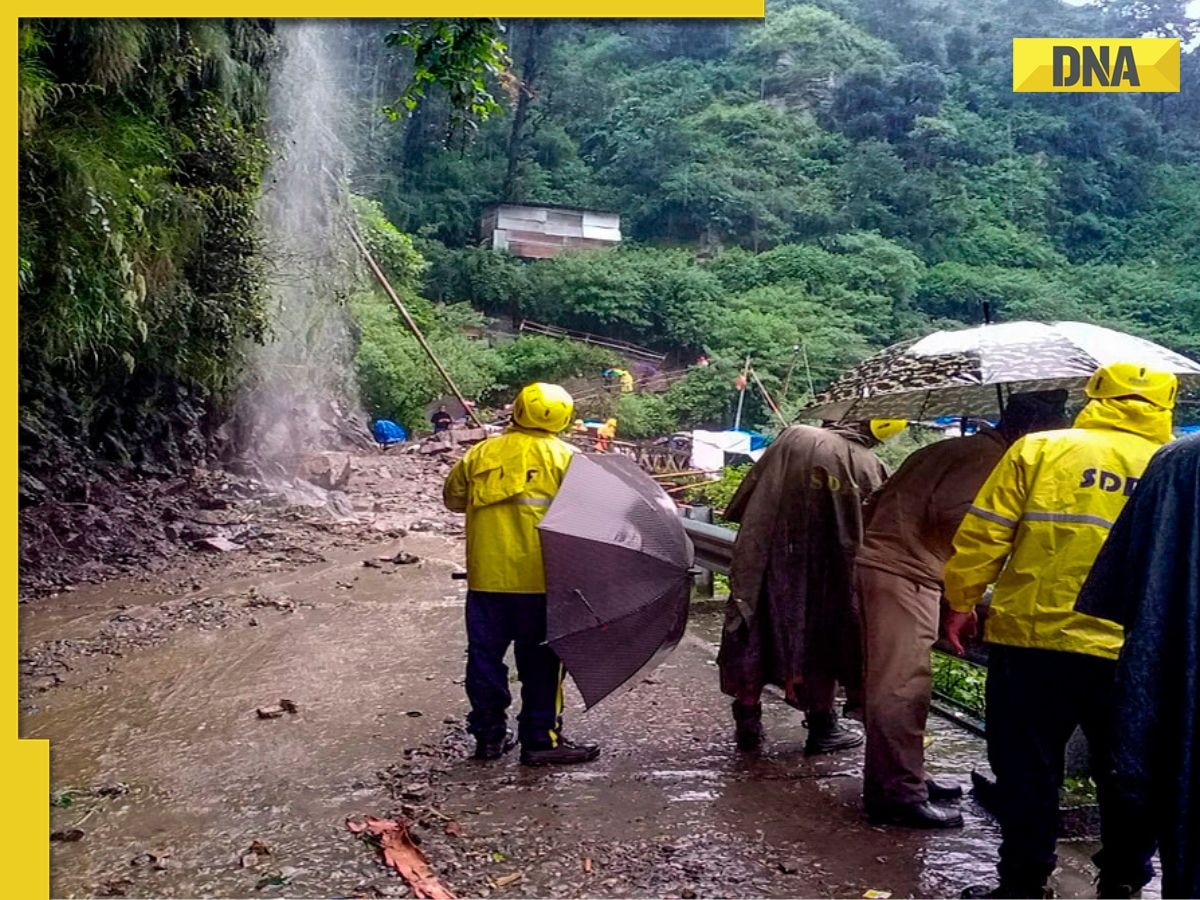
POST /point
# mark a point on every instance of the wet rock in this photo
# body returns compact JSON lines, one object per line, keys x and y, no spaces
{"x":216,"y":543}
{"x":330,"y":471}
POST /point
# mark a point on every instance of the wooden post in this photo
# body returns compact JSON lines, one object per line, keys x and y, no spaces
{"x":705,"y":584}
{"x":737,"y":419}
{"x":411,"y":323}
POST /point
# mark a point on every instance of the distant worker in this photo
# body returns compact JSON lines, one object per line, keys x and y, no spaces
{"x":505,"y":485}
{"x":898,"y":578}
{"x":605,"y":435}
{"x":579,"y":427}
{"x":792,"y":620}
{"x":1034,"y":530}
{"x":702,"y":360}
{"x":441,"y":420}
{"x":626,"y":381}
{"x":1147,"y":578}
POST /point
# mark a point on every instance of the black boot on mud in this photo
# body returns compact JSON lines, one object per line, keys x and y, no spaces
{"x":943,"y":790}
{"x":564,"y":753}
{"x":494,"y":747}
{"x":747,"y":724}
{"x":827,"y":735}
{"x":915,"y":815}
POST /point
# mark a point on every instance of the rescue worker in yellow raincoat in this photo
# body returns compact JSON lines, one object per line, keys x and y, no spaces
{"x":1034,"y":530}
{"x":505,"y":485}
{"x":605,"y":435}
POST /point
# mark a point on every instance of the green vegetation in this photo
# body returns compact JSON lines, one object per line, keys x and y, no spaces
{"x":718,"y":494}
{"x":961,"y":681}
{"x":141,"y":151}
{"x":804,"y":189}
{"x":845,"y":174}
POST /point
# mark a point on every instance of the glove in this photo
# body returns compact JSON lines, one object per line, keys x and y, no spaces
{"x":958,"y":627}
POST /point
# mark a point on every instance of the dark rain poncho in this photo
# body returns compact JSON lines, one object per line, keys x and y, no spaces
{"x":1147,"y":578}
{"x":792,"y":617}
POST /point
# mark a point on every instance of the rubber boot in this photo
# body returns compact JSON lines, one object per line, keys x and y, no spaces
{"x":943,"y":790}
{"x":564,"y":753}
{"x":826,"y":735}
{"x":916,"y":815}
{"x":747,"y":723}
{"x":493,"y":747}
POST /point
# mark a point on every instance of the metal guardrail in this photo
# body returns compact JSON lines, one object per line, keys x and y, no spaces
{"x":714,"y":551}
{"x":714,"y":545}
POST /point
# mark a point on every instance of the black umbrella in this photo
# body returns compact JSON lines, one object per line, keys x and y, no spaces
{"x":617,"y":573}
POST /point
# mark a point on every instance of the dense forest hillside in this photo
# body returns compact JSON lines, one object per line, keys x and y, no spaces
{"x":142,"y":148}
{"x":844,"y":174}
{"x":848,"y":172}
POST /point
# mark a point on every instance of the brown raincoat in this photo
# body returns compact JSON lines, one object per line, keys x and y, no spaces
{"x":913,"y":520}
{"x":792,"y":617}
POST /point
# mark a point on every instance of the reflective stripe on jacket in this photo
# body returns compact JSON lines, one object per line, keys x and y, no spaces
{"x":1040,"y":519}
{"x":505,"y":485}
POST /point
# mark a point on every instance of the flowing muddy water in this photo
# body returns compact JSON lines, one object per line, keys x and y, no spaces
{"x":186,"y":777}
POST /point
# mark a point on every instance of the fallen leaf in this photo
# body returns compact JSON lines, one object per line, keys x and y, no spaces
{"x":69,"y":836}
{"x":587,"y":865}
{"x":497,"y":856}
{"x":873,"y":894}
{"x":506,"y":880}
{"x":260,"y":848}
{"x":402,"y":854}
{"x":453,"y":829}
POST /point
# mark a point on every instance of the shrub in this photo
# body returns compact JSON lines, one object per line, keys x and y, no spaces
{"x":395,"y":377}
{"x":644,"y":416}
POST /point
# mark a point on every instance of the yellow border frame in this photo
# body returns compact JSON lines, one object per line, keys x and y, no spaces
{"x":26,"y":764}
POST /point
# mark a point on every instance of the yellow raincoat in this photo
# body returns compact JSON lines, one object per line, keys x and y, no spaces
{"x":1039,"y":521}
{"x":505,"y":485}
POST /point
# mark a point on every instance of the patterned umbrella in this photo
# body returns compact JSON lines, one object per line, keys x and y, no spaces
{"x":960,"y":373}
{"x":617,"y":573}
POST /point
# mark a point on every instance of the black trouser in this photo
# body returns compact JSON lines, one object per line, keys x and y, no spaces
{"x":1035,"y":700}
{"x":493,"y":622}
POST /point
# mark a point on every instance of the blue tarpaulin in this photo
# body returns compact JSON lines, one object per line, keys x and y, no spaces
{"x":388,"y":432}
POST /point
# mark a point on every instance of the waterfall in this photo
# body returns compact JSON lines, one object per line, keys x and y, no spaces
{"x":301,"y":392}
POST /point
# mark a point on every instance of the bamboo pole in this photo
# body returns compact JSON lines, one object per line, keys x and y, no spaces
{"x":767,"y":397}
{"x":411,"y":323}
{"x":737,"y":419}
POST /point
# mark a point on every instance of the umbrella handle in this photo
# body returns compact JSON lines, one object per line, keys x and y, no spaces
{"x":578,"y":593}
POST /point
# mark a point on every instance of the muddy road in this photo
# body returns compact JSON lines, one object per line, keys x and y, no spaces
{"x":164,"y":776}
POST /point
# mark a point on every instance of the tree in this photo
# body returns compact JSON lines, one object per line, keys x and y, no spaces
{"x":458,"y":55}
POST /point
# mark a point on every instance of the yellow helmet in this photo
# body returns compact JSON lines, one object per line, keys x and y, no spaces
{"x":1133,"y":380}
{"x":546,"y":407}
{"x":886,"y":428}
